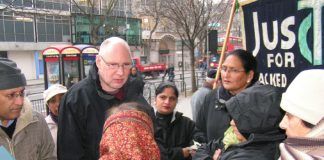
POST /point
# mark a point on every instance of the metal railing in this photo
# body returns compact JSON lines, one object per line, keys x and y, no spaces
{"x":148,"y":91}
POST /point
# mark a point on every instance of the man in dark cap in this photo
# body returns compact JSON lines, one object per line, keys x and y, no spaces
{"x":23,"y":132}
{"x":197,"y":98}
{"x":254,"y":132}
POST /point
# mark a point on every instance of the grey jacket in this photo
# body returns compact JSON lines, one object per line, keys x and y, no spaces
{"x":197,"y":100}
{"x":32,"y":139}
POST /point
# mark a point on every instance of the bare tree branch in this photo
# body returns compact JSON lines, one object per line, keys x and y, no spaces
{"x":190,"y":19}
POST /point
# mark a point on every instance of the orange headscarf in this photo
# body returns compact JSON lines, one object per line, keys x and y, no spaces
{"x":129,"y":135}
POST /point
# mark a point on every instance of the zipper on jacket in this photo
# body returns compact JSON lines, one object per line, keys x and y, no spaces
{"x":11,"y":148}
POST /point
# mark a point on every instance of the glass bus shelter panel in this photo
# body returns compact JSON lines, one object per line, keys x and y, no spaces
{"x":88,"y":60}
{"x":71,"y":72}
{"x":53,"y":72}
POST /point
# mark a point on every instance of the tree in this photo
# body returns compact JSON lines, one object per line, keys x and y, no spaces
{"x":190,"y":19}
{"x":96,"y":12}
{"x":152,"y":9}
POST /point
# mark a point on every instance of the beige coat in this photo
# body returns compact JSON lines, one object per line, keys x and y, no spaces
{"x":32,"y":139}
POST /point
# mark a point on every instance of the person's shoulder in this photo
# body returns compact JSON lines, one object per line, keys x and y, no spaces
{"x":38,"y":116}
{"x":80,"y":90}
{"x":211,"y":93}
{"x":83,"y":84}
{"x":179,"y":115}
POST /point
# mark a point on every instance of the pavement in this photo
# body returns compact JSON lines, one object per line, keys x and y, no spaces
{"x":184,"y":106}
{"x":31,"y":82}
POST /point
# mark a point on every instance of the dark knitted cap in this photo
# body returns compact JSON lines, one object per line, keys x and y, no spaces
{"x":211,"y":73}
{"x":256,"y":109}
{"x":10,"y":75}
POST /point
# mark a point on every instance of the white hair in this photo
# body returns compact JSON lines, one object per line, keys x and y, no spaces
{"x":106,"y":44}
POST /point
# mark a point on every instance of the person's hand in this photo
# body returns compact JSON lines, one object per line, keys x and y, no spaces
{"x":192,"y":152}
{"x":217,"y":154}
{"x":186,"y":152}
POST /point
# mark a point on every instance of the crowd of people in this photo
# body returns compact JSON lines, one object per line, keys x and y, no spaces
{"x":105,"y":115}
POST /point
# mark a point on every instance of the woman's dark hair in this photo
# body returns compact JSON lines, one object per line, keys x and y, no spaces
{"x":249,"y":62}
{"x":308,"y":125}
{"x":164,"y":85}
{"x":132,"y":68}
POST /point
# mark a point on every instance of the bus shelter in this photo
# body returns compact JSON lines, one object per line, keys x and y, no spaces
{"x":61,"y":65}
{"x":88,"y":57}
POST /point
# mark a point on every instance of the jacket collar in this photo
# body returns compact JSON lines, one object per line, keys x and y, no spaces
{"x":175,"y":115}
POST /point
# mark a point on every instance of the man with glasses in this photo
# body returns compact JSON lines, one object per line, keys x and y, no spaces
{"x":24,"y":134}
{"x":83,"y":108}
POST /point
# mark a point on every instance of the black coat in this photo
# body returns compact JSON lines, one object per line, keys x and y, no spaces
{"x":178,"y":134}
{"x":257,"y":147}
{"x":257,"y":114}
{"x":138,"y":83}
{"x":212,"y":118}
{"x":82,"y":114}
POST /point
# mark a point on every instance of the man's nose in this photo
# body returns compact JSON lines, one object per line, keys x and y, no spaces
{"x":120,"y":70}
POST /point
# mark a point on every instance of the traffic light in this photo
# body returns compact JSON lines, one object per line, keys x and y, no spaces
{"x":212,"y":41}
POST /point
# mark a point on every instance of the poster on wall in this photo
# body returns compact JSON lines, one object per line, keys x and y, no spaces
{"x":286,"y":36}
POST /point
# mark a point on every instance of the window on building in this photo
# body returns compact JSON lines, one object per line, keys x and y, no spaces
{"x":14,"y":27}
{"x":53,"y":28}
{"x":3,"y":54}
{"x":52,"y":4}
{"x":28,"y":3}
{"x":1,"y":28}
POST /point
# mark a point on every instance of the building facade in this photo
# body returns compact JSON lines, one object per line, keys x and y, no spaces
{"x":29,"y":26}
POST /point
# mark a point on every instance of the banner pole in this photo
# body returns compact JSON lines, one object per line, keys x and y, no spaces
{"x":228,"y":30}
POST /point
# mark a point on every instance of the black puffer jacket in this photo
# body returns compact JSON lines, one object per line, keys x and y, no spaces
{"x":82,"y":115}
{"x":257,"y":147}
{"x":257,"y":114}
{"x":212,"y":118}
{"x":175,"y":135}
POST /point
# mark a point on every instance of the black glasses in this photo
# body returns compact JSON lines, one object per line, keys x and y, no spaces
{"x":115,"y":66}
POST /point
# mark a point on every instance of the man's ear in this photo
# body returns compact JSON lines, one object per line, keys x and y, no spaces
{"x":97,"y":60}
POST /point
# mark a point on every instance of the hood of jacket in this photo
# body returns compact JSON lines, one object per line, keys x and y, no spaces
{"x":256,"y":110}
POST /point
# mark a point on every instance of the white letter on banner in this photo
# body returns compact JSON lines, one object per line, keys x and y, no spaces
{"x":278,"y":60}
{"x":289,"y":58}
{"x":256,"y":34}
{"x":270,"y":45}
{"x":287,"y":33}
{"x":270,"y":60}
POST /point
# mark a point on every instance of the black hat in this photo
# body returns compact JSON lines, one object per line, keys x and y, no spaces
{"x":211,"y":73}
{"x":11,"y":76}
{"x":256,"y":109}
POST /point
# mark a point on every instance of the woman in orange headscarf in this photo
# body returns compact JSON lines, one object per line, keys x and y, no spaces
{"x":128,"y":134}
